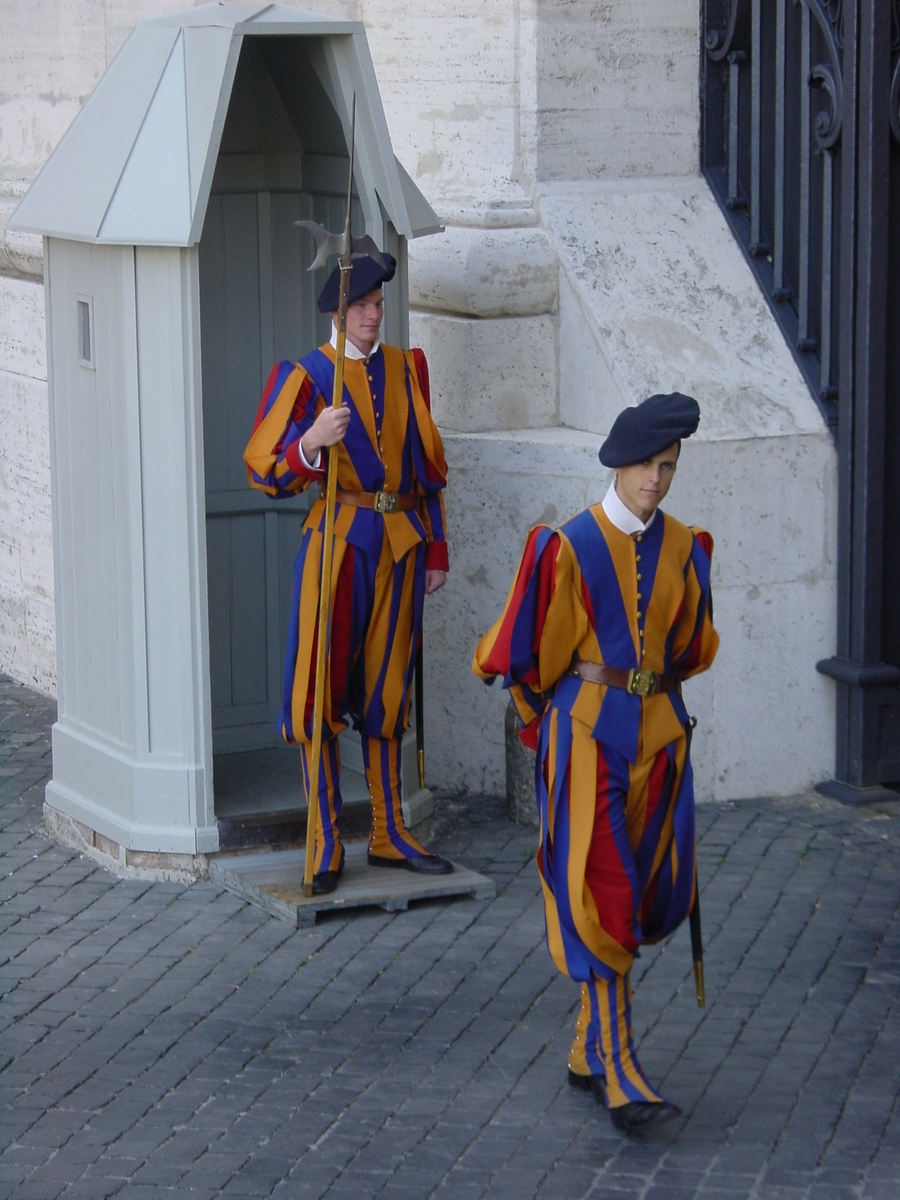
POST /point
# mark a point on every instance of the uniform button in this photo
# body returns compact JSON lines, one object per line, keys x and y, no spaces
{"x":639,"y":536}
{"x":639,"y":595}
{"x":639,"y":616}
{"x":640,"y":577}
{"x":370,"y":379}
{"x":637,"y":558}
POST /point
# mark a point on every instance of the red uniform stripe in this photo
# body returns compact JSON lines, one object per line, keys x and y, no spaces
{"x":604,"y":872}
{"x":497,"y":662}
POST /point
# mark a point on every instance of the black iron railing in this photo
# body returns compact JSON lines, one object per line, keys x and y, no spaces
{"x":772,"y":116}
{"x":800,"y":142}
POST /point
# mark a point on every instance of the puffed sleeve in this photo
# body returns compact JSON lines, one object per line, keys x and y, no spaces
{"x":288,"y":408}
{"x":545,"y":618}
{"x":430,"y":464}
{"x":696,"y":641}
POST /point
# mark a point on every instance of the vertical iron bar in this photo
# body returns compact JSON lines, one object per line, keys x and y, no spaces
{"x":755,"y":102}
{"x":734,"y":83}
{"x":778,"y":235}
{"x":825,"y":325}
{"x":804,"y":341}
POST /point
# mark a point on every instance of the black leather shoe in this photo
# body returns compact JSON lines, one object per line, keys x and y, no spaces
{"x":595,"y":1084}
{"x":324,"y":882}
{"x":631,"y":1118}
{"x":422,"y":864}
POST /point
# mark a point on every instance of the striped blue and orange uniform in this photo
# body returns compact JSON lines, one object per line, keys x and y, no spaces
{"x":378,"y":574}
{"x":613,"y":775}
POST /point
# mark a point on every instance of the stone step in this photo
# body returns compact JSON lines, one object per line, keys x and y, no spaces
{"x":260,"y":802}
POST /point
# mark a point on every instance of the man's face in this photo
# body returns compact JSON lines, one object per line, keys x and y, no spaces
{"x":364,"y":319}
{"x":642,"y":486}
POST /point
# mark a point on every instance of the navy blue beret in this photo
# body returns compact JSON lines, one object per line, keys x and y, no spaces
{"x":365,"y":276}
{"x":640,"y":432}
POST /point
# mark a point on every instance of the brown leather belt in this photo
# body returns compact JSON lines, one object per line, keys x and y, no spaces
{"x":638,"y":683}
{"x":383,"y":502}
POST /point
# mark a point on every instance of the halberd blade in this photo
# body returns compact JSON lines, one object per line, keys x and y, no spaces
{"x":326,"y":243}
{"x":366,"y":245}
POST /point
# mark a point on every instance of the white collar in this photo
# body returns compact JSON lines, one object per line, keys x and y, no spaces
{"x":351,"y":351}
{"x":623,"y":518}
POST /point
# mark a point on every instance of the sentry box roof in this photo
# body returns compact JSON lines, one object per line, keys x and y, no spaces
{"x":137,"y":163}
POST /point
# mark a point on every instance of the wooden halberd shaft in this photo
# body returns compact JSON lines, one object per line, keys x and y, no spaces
{"x":324,"y":623}
{"x":323,"y":635}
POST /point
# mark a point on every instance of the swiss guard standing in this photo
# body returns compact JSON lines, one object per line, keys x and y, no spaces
{"x":390,"y":550}
{"x":607,"y":616}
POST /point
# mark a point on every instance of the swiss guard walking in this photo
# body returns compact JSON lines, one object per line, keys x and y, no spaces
{"x":606,"y":618}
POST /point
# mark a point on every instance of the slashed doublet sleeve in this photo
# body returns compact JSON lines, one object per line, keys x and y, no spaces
{"x":289,"y":405}
{"x":696,"y":641}
{"x":432,"y":474}
{"x":545,"y":619}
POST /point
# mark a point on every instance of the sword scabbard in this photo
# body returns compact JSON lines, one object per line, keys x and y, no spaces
{"x":697,"y":945}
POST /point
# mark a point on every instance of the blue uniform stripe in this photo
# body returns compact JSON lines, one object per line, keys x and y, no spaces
{"x":646,"y":850}
{"x":286,"y":722}
{"x":611,"y":623}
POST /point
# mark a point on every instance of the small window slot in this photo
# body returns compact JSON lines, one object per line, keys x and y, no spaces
{"x":85,"y":331}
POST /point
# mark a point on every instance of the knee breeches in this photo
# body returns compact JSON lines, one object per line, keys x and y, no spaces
{"x":376,"y":622}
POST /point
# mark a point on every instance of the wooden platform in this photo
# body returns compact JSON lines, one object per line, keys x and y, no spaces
{"x":273,"y":880}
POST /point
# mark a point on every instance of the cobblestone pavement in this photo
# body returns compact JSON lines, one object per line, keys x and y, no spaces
{"x":160,"y":1040}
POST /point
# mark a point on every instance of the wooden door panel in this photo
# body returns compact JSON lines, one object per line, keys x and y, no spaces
{"x":258,"y":305}
{"x":249,"y":659}
{"x":251,"y":540}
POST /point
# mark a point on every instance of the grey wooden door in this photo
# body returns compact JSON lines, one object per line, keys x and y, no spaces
{"x":257,"y":306}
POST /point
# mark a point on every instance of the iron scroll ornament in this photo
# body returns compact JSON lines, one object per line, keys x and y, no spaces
{"x":827,"y":125}
{"x":735,"y":16}
{"x":729,"y":24}
{"x":828,"y":77}
{"x":836,"y":17}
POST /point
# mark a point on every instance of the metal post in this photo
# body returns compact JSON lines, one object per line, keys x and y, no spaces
{"x":780,"y":292}
{"x":868,"y":699}
{"x":757,"y":245}
{"x":804,"y":340}
{"x":825,"y":389}
{"x":735,"y":58}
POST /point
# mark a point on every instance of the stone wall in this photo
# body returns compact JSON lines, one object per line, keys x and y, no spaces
{"x":617,"y":91}
{"x":765,"y":717}
{"x":27,"y":645}
{"x":654,"y":296}
{"x":27,"y":617}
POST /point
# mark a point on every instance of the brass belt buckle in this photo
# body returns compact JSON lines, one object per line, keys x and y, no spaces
{"x":642,"y":683}
{"x":386,"y":502}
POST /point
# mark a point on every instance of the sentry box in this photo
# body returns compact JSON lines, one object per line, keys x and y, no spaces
{"x":174,"y":279}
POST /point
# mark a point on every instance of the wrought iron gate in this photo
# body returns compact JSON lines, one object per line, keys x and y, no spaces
{"x":800,"y":143}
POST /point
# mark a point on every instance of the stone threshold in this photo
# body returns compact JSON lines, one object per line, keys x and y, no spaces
{"x":284,"y":827}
